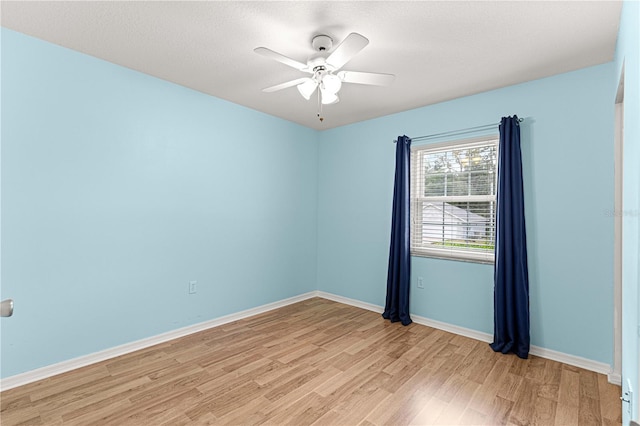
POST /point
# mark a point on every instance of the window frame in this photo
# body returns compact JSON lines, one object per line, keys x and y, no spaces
{"x":417,"y":187}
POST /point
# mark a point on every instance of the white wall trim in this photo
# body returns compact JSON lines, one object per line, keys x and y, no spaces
{"x":576,"y":361}
{"x":615,"y":378}
{"x":617,"y":228}
{"x":72,"y":364}
{"x":351,"y":302}
{"x":82,"y":361}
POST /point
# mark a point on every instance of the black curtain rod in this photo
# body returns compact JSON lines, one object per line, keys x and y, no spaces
{"x":459,"y":132}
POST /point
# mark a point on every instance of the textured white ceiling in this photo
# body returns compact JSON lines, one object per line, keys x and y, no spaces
{"x":438,"y":50}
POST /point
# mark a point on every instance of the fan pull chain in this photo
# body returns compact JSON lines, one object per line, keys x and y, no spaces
{"x":320,"y":117}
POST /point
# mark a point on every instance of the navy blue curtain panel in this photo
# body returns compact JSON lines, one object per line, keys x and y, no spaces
{"x":511,"y":275}
{"x":399,"y":273}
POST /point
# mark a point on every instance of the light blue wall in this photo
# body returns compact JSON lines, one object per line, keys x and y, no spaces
{"x":628,"y":53}
{"x":568,"y":172}
{"x":118,"y":189}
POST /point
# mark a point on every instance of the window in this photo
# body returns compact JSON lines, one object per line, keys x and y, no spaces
{"x":453,"y":199}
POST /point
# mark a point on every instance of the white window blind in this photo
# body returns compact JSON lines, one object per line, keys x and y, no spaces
{"x":453,"y":199}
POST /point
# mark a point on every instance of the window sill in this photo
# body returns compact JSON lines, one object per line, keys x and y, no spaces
{"x":483,"y":259}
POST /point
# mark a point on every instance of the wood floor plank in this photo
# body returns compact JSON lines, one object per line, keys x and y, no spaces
{"x":277,"y":406}
{"x":589,"y":411}
{"x":351,"y":378}
{"x":525,"y":403}
{"x":569,"y":391}
{"x":473,"y":417}
{"x":609,"y":396}
{"x":544,"y":412}
{"x":247,"y":415}
{"x":482,"y":400}
{"x":458,"y":404}
{"x":431,"y":410}
{"x":511,"y":386}
{"x":399,"y":375}
{"x":567,"y":415}
{"x":355,"y":407}
{"x":274,"y":371}
{"x":81,"y":377}
{"x":550,"y":383}
{"x":500,"y":410}
{"x":304,"y":411}
{"x":294,"y":382}
{"x":317,"y":362}
{"x":449,"y":389}
{"x":534,"y":369}
{"x":404,"y":405}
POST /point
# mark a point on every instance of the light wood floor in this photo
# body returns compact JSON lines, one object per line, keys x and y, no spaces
{"x":318,"y":362}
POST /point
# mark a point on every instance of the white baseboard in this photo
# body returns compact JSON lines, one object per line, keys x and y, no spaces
{"x":350,"y":302}
{"x":615,"y":378}
{"x":576,"y":361}
{"x":455,"y":329}
{"x":72,"y":364}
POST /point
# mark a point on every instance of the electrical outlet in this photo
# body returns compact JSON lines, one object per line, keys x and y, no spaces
{"x":193,"y":287}
{"x":420,"y":283}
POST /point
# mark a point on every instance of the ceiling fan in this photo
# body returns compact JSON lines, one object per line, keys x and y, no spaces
{"x":324,"y":68}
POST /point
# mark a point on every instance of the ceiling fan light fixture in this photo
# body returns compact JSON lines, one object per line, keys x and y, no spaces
{"x":331,"y":83}
{"x":328,"y":98}
{"x":307,"y":88}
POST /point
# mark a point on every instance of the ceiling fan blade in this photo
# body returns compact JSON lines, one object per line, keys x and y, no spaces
{"x":374,"y":79}
{"x":286,"y":84}
{"x":349,"y":47}
{"x":280,"y":58}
